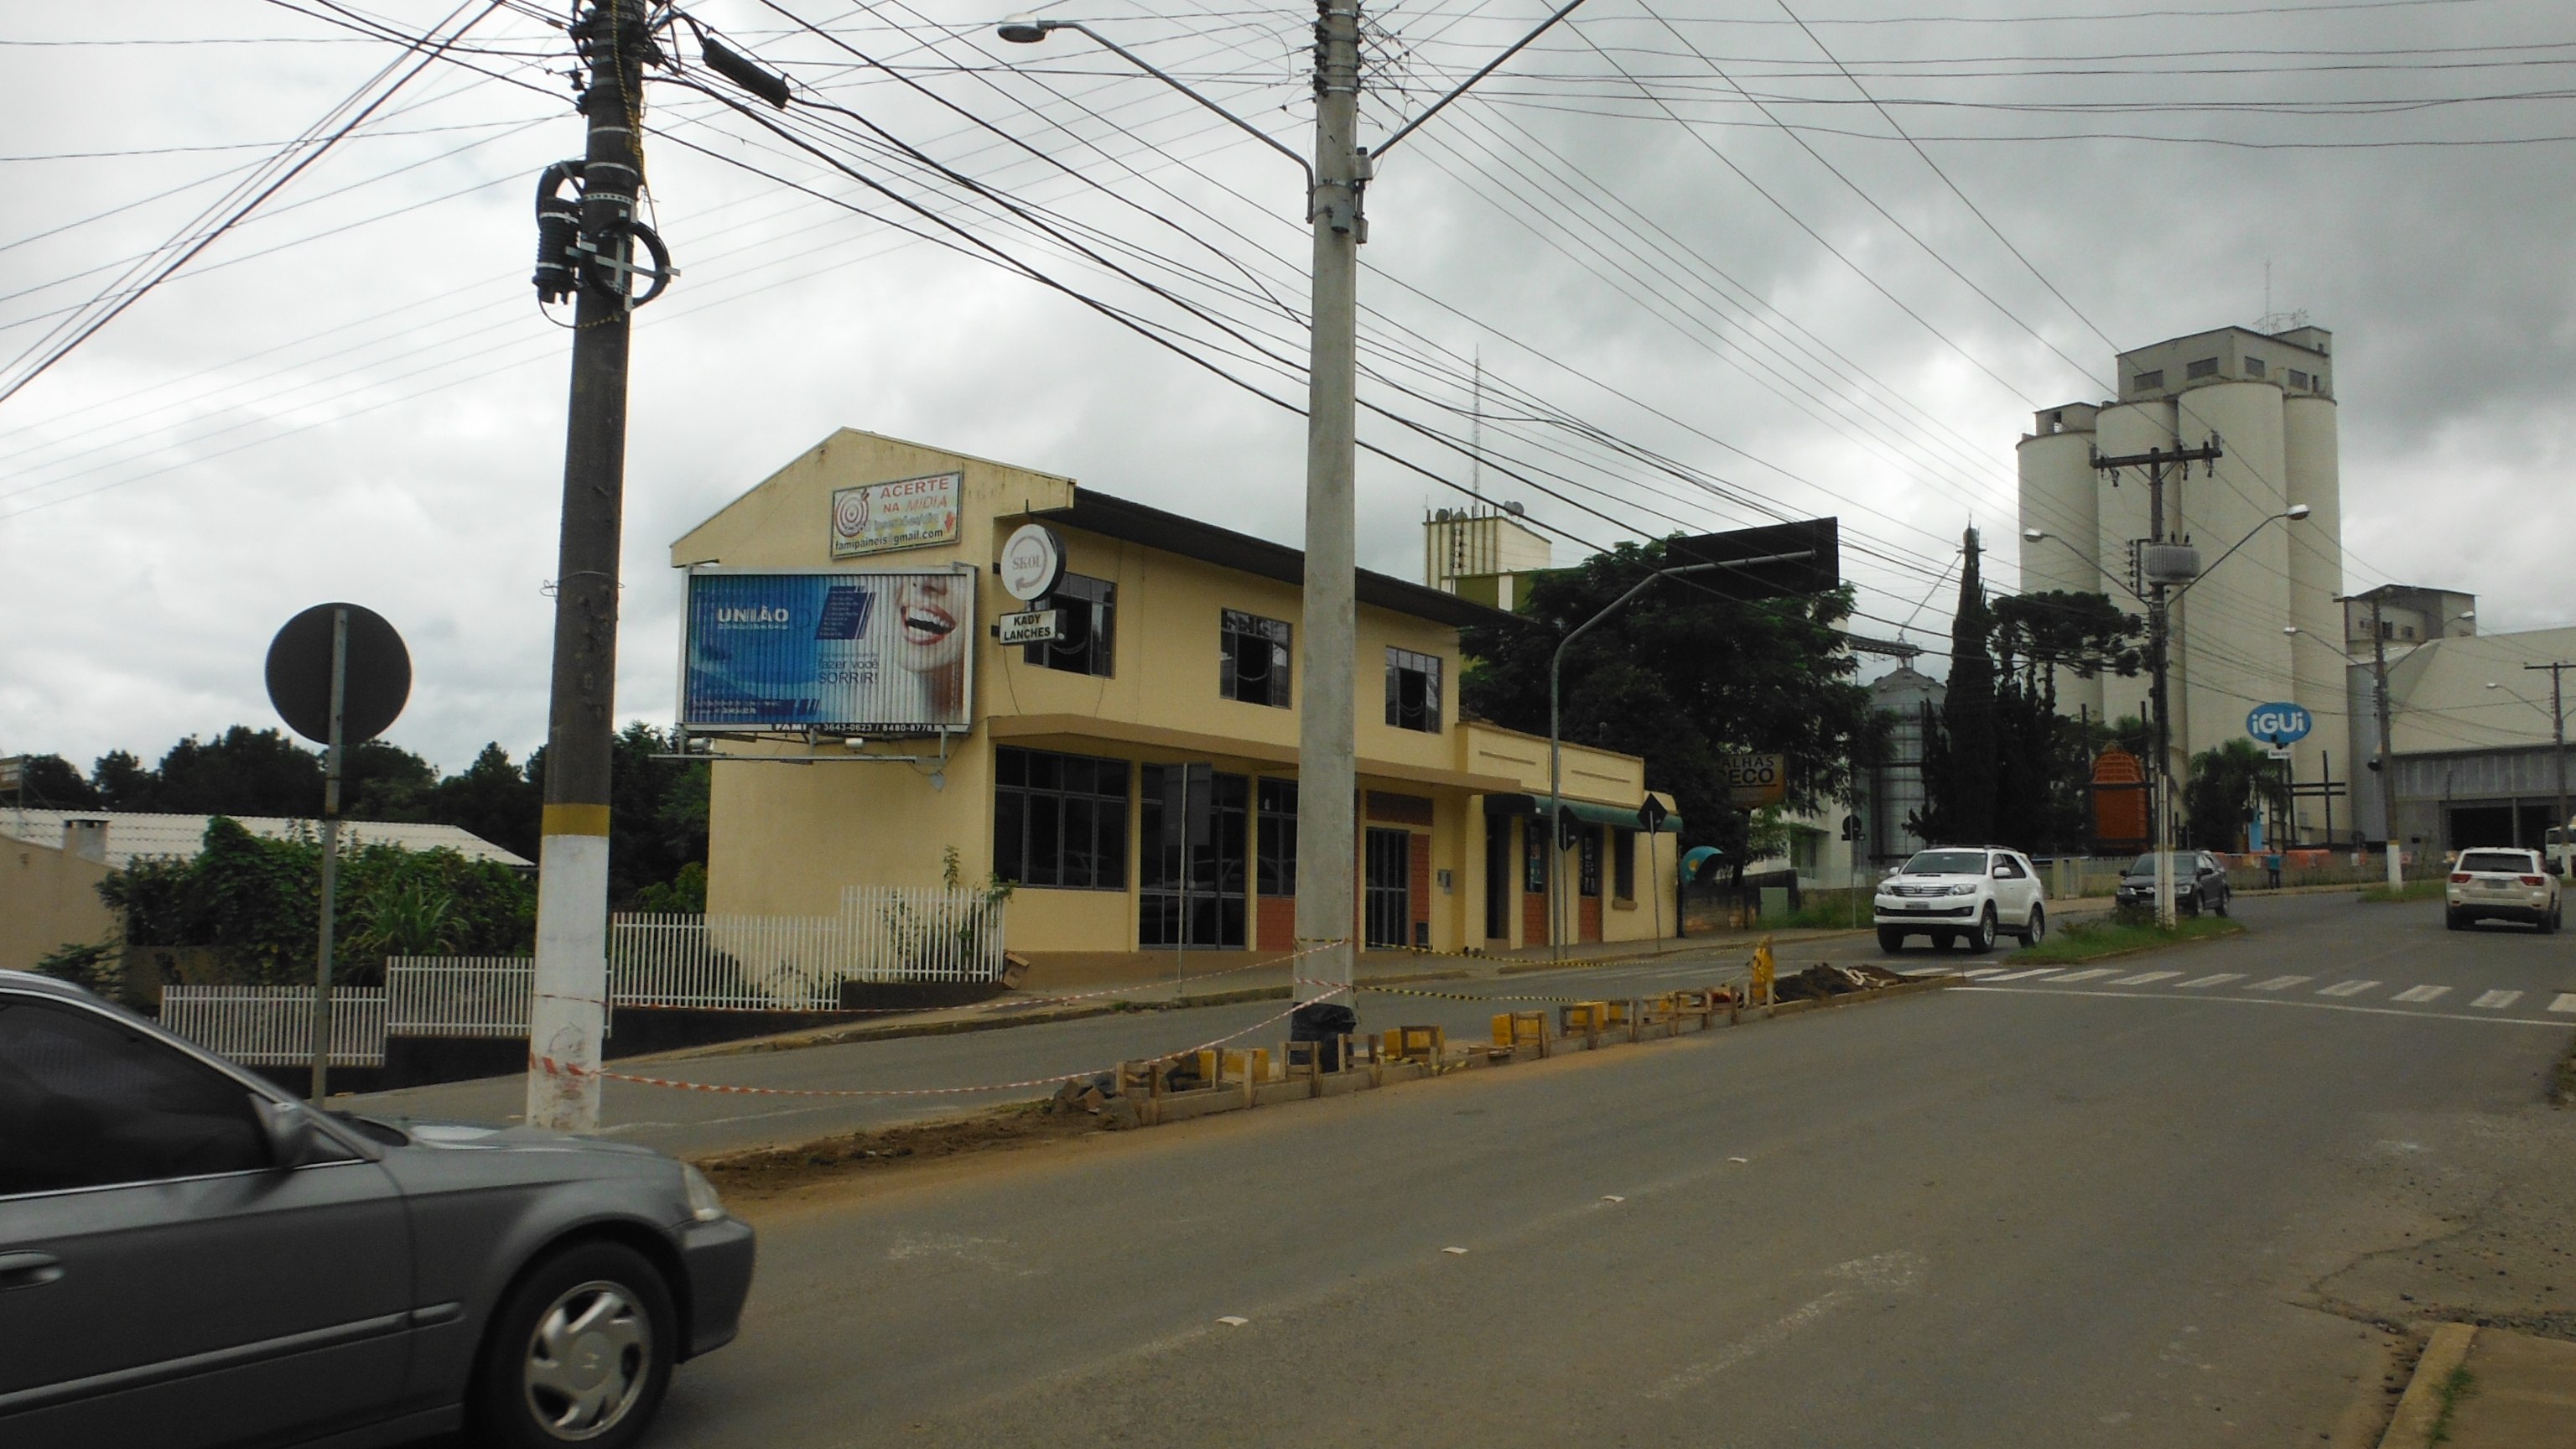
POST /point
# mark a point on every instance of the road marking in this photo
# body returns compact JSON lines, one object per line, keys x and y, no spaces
{"x":1881,"y":1274}
{"x":2566,"y":1002}
{"x":2219,"y":980}
{"x":2280,"y":983}
{"x":2087,"y":974}
{"x":2422,"y":993}
{"x":2144,"y":978}
{"x":2347,"y":988}
{"x":2497,"y":1000}
{"x":2048,"y":988}
{"x":2026,"y":975}
{"x":1981,"y":971}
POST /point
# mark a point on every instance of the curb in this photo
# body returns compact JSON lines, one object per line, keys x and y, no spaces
{"x":2139,"y":950}
{"x":2419,"y":1410}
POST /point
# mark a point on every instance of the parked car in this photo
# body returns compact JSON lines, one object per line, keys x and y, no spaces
{"x":189,"y":1257}
{"x":2199,"y":884}
{"x":1961,"y":893}
{"x":2501,"y":885}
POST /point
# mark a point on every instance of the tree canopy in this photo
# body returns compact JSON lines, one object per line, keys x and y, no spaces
{"x":1683,"y":676}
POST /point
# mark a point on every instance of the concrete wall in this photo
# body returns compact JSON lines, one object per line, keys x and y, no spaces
{"x":48,"y":899}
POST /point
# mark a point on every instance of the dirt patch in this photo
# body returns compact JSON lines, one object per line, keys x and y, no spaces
{"x":767,"y":1173}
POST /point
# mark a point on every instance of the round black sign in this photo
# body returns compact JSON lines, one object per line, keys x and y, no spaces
{"x":299,"y":674}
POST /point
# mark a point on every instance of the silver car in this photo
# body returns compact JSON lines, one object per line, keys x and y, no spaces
{"x":190,"y":1258}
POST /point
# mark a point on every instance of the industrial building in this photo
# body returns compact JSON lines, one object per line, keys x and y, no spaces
{"x":2264,"y":623}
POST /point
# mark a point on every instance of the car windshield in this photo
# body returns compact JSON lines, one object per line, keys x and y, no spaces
{"x":2146,"y":864}
{"x":2497,"y":862}
{"x":1947,"y":862}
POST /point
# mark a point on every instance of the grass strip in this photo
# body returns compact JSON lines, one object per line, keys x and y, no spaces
{"x":2413,"y":890}
{"x":2458,"y":1386}
{"x":2091,"y":940}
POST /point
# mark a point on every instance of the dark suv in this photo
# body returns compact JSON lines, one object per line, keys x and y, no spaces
{"x":190,"y":1258}
{"x":2199,"y":884}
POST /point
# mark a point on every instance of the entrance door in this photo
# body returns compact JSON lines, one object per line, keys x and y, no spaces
{"x":1498,"y":877}
{"x":1389,"y":914}
{"x":1191,"y":833}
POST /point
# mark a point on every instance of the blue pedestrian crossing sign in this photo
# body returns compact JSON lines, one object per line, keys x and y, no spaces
{"x":2278,"y":724}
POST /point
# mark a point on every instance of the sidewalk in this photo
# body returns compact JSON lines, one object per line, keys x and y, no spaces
{"x":2488,"y":1388}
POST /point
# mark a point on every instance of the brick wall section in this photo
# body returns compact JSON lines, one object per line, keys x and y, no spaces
{"x":1591,"y":919}
{"x":1275,"y":922}
{"x":1533,"y":918}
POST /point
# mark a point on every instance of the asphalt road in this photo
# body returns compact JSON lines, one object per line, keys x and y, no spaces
{"x":2023,"y":1213}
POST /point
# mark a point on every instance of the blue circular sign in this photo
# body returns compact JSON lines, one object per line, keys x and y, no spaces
{"x":2279,"y":724}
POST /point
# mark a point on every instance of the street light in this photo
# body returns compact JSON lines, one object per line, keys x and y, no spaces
{"x":1327,"y":736}
{"x":2558,"y":737}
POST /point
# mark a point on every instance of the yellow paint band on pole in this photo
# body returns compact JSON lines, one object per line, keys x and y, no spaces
{"x":576,"y":820}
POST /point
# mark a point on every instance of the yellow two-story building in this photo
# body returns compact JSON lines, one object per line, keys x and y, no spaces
{"x":1136,"y":775}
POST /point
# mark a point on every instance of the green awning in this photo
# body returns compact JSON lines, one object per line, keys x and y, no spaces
{"x":1535,"y":807}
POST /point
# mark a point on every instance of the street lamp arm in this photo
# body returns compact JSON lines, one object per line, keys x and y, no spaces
{"x":1148,"y":67}
{"x":2231,"y":550}
{"x":1483,"y":71}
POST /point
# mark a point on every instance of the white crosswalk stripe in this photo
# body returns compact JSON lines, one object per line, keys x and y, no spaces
{"x":2497,"y":1000}
{"x":2566,"y":1003}
{"x":2026,"y":975}
{"x":2144,"y":978}
{"x":2347,"y":988}
{"x":2422,"y":993}
{"x":2281,"y":983}
{"x":2087,"y":974}
{"x":2220,"y":979}
{"x":1971,"y":975}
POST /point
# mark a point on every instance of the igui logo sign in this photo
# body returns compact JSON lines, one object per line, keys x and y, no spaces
{"x":2278,"y":724}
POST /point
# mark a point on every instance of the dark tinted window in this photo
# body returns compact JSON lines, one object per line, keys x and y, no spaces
{"x":1086,"y":615}
{"x":1060,"y":820}
{"x":2498,"y":862}
{"x":1413,"y":690}
{"x":86,"y":1101}
{"x":1252,"y":664}
{"x":2009,"y":868}
{"x":1275,"y":869}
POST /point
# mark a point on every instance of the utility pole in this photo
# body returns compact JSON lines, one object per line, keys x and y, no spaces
{"x":2157,"y":462}
{"x":568,"y":1005}
{"x":334,"y":760}
{"x":2387,"y":774}
{"x":2558,"y":737}
{"x":1327,"y":740}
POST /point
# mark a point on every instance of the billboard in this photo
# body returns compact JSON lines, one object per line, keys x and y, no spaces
{"x":906,"y":513}
{"x":860,"y":653}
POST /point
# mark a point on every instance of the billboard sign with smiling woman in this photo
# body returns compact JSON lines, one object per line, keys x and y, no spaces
{"x":841,"y":651}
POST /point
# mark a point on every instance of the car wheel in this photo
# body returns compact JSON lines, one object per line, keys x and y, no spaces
{"x":1983,"y":938}
{"x":2450,"y":920}
{"x":2194,"y":902}
{"x":1891,"y":941}
{"x":579,"y":1353}
{"x":2549,"y":923}
{"x":2225,"y":899}
{"x":2037,"y":931}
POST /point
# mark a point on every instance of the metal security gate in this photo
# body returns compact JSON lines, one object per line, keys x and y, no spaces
{"x":1390,"y":887}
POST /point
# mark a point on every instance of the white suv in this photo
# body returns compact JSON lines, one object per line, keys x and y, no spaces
{"x":2504,"y":885}
{"x":1961,"y":893}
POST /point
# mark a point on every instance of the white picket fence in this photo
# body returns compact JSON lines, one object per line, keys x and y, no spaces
{"x":272,"y":1026}
{"x":723,"y":963}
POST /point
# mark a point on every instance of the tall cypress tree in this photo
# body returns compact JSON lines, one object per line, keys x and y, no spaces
{"x":1960,"y":774}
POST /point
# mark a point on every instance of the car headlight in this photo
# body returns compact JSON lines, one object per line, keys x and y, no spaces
{"x":1963,"y":890}
{"x":704,"y":1204}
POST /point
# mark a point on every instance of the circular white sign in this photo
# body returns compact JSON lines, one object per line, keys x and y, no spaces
{"x":1032,"y":562}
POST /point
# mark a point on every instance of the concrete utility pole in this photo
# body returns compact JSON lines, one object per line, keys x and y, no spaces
{"x":2157,"y":461}
{"x":334,"y":760}
{"x":569,"y":1003}
{"x":2387,"y":773}
{"x":1327,"y":729}
{"x":2558,"y":737}
{"x":1327,"y":740}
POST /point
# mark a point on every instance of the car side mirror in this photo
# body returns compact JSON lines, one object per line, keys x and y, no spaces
{"x":288,"y":1129}
{"x":2003,"y":872}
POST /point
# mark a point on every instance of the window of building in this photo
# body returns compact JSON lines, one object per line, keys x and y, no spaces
{"x":1413,"y":690}
{"x":1275,"y":860}
{"x":2200,"y":367}
{"x":1254,"y":665}
{"x":2317,"y":382}
{"x":1086,"y":621}
{"x":1587,"y":855}
{"x":2253,"y":367}
{"x":2150,"y":381}
{"x":1060,"y":820}
{"x":1210,"y":912}
{"x":2298,"y":378}
{"x":1623,"y":866}
{"x":1806,"y":851}
{"x":1534,"y":857}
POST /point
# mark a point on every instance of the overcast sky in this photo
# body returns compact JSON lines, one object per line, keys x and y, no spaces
{"x":1708,"y":282}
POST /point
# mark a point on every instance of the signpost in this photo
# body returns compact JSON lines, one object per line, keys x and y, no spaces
{"x":1755,"y":781}
{"x":1037,"y":626}
{"x":339,"y":675}
{"x":2280,"y":726}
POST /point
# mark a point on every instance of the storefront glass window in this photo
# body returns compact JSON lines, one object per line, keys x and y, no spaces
{"x":1060,"y":820}
{"x":1275,"y":871}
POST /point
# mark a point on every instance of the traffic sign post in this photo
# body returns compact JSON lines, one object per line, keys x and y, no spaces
{"x":338,"y":674}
